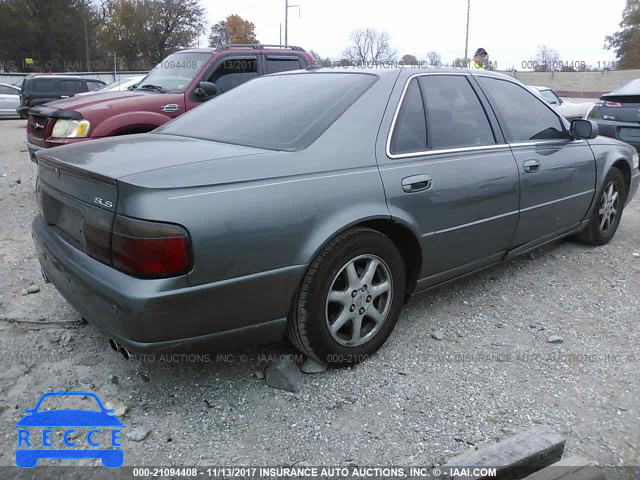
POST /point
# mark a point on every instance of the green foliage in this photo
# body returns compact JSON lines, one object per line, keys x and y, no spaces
{"x":80,"y":35}
{"x":626,"y":41}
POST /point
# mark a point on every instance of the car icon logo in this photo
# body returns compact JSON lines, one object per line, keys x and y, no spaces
{"x":103,"y":430}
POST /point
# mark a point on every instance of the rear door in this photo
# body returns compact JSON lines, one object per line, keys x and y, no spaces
{"x":557,"y":173}
{"x":448,"y":173}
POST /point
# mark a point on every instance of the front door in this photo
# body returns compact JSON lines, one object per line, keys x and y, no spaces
{"x":557,"y":173}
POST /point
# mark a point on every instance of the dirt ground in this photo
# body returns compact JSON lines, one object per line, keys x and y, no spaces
{"x":490,"y":373}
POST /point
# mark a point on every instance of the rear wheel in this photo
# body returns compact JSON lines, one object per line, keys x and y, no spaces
{"x":350,"y":298}
{"x":607,"y":212}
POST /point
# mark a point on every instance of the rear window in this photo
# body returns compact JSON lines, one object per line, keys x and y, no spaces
{"x":631,"y":88}
{"x":44,"y":84}
{"x":280,"y":112}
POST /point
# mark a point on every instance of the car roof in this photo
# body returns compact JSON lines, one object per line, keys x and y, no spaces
{"x":540,"y":87}
{"x":407,"y":71}
{"x":71,"y":77}
{"x":9,"y":85}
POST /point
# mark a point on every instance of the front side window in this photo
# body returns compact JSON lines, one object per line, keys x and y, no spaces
{"x":175,"y":73}
{"x":523,"y":116}
{"x":410,"y":130}
{"x":233,"y":72}
{"x":91,"y":85}
{"x":456,"y":118}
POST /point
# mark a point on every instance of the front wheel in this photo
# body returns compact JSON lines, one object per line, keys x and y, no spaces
{"x":607,"y":212}
{"x":350,"y":298}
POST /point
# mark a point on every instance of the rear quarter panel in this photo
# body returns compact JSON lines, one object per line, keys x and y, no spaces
{"x":285,"y":208}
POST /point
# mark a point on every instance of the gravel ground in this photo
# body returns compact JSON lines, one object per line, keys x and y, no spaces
{"x":468,"y":364}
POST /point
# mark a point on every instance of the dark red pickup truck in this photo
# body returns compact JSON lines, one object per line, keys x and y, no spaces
{"x":182,"y":81}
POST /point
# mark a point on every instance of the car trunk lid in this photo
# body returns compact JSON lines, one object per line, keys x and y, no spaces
{"x":621,"y":108}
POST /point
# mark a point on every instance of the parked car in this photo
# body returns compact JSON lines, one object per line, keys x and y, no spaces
{"x":40,"y":89}
{"x":314,"y":203}
{"x":618,"y":114}
{"x":9,"y":100}
{"x":180,"y":82}
{"x":568,"y":110}
{"x":118,"y":86}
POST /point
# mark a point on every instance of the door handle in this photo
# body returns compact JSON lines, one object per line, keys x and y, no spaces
{"x":416,"y":183}
{"x":531,"y":166}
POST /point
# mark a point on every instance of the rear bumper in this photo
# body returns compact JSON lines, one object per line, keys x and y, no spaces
{"x":32,"y":151}
{"x":635,"y":183}
{"x":149,"y":316}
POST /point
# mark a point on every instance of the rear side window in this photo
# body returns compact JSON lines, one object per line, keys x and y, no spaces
{"x":280,"y":112}
{"x":523,"y":116}
{"x":455,"y":115}
{"x":410,"y":131}
{"x":72,"y":86}
{"x":45,"y":84}
{"x":276,"y":64}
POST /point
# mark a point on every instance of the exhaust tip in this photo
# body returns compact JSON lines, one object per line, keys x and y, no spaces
{"x":125,"y":353}
{"x":114,"y":345}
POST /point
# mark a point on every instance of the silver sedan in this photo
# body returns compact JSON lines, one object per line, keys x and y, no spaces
{"x":9,"y":100}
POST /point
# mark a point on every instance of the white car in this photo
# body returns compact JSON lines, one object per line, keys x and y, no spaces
{"x":9,"y":100}
{"x":117,"y":86}
{"x":568,"y":110}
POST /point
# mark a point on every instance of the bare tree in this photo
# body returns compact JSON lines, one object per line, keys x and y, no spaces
{"x":434,"y":58}
{"x":546,"y":58}
{"x":369,"y":46}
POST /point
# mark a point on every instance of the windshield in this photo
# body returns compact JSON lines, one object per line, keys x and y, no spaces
{"x":549,"y":97}
{"x":176,"y":72}
{"x":283,"y":112}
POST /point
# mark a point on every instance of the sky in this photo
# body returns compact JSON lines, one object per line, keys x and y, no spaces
{"x":510,"y":30}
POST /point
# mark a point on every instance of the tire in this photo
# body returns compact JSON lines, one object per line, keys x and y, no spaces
{"x":373,"y":301}
{"x":607,"y":212}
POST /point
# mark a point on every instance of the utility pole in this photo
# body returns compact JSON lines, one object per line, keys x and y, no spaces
{"x":286,"y":19}
{"x":466,"y":42}
{"x":280,"y":34}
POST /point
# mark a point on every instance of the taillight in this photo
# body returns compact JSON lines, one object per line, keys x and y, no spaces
{"x":150,"y":249}
{"x":611,"y":104}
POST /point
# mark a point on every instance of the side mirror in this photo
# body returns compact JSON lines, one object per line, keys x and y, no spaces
{"x":560,"y":101}
{"x":587,"y":129}
{"x":206,"y":89}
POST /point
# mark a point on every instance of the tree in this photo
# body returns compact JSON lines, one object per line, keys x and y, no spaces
{"x":143,"y":32}
{"x":234,"y":29}
{"x":434,"y":58}
{"x":368,"y":46}
{"x":51,"y":32}
{"x":325,"y":62}
{"x":626,"y":41}
{"x":409,"y":60}
{"x":546,"y":59}
{"x":219,"y":34}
